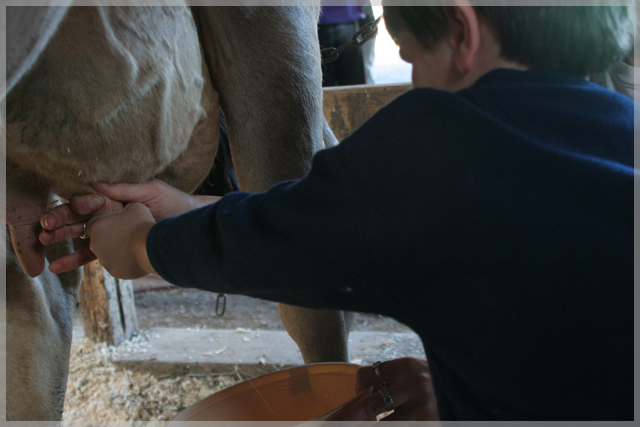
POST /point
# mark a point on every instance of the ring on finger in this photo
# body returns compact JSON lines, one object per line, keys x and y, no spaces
{"x":388,"y":401}
{"x":376,"y":368}
{"x":84,"y":230}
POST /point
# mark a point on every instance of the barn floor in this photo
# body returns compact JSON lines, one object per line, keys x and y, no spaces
{"x":184,"y":352}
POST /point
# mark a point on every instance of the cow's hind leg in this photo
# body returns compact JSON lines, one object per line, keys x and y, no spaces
{"x":309,"y":329}
{"x":39,"y":328}
{"x":265,"y":63}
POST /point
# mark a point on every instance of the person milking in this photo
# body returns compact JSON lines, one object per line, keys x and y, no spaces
{"x":490,"y":209}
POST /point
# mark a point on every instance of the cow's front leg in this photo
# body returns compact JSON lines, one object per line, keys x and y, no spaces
{"x":265,"y":63}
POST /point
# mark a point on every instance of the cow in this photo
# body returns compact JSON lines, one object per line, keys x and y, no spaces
{"x":126,"y":94}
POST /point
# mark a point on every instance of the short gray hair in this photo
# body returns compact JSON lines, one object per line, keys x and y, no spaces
{"x":578,"y":40}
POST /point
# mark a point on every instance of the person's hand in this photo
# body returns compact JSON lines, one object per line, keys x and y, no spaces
{"x":120,"y":241}
{"x":68,"y":221}
{"x":408,"y":381}
{"x":162,"y":200}
{"x":65,"y":221}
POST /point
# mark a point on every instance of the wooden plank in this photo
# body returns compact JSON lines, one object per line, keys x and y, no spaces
{"x":347,"y":107}
{"x":178,"y":351}
{"x":105,"y":315}
{"x":94,"y":307}
{"x":128,"y":304}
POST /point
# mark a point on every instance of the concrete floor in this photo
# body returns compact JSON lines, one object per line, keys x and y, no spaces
{"x":183,"y":334}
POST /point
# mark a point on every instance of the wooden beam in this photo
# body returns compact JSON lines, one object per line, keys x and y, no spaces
{"x":347,"y":107}
{"x":107,"y":306}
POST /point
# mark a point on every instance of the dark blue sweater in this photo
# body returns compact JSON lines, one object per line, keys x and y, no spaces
{"x":496,"y":222}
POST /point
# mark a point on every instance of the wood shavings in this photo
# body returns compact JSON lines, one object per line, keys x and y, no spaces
{"x":99,"y":391}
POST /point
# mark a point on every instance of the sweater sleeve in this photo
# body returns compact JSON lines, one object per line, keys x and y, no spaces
{"x":335,"y":239}
{"x":302,"y":242}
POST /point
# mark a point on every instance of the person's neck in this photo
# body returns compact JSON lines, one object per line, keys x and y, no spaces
{"x":485,"y":68}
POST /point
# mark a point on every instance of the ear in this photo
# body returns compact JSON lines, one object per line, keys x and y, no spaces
{"x":465,"y":37}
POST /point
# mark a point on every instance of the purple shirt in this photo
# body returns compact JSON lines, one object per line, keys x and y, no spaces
{"x":340,"y":14}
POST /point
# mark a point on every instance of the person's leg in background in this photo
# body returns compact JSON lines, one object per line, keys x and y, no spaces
{"x":348,"y":69}
{"x":327,"y":40}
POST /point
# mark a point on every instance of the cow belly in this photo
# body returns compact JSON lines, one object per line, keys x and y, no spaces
{"x":118,"y":95}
